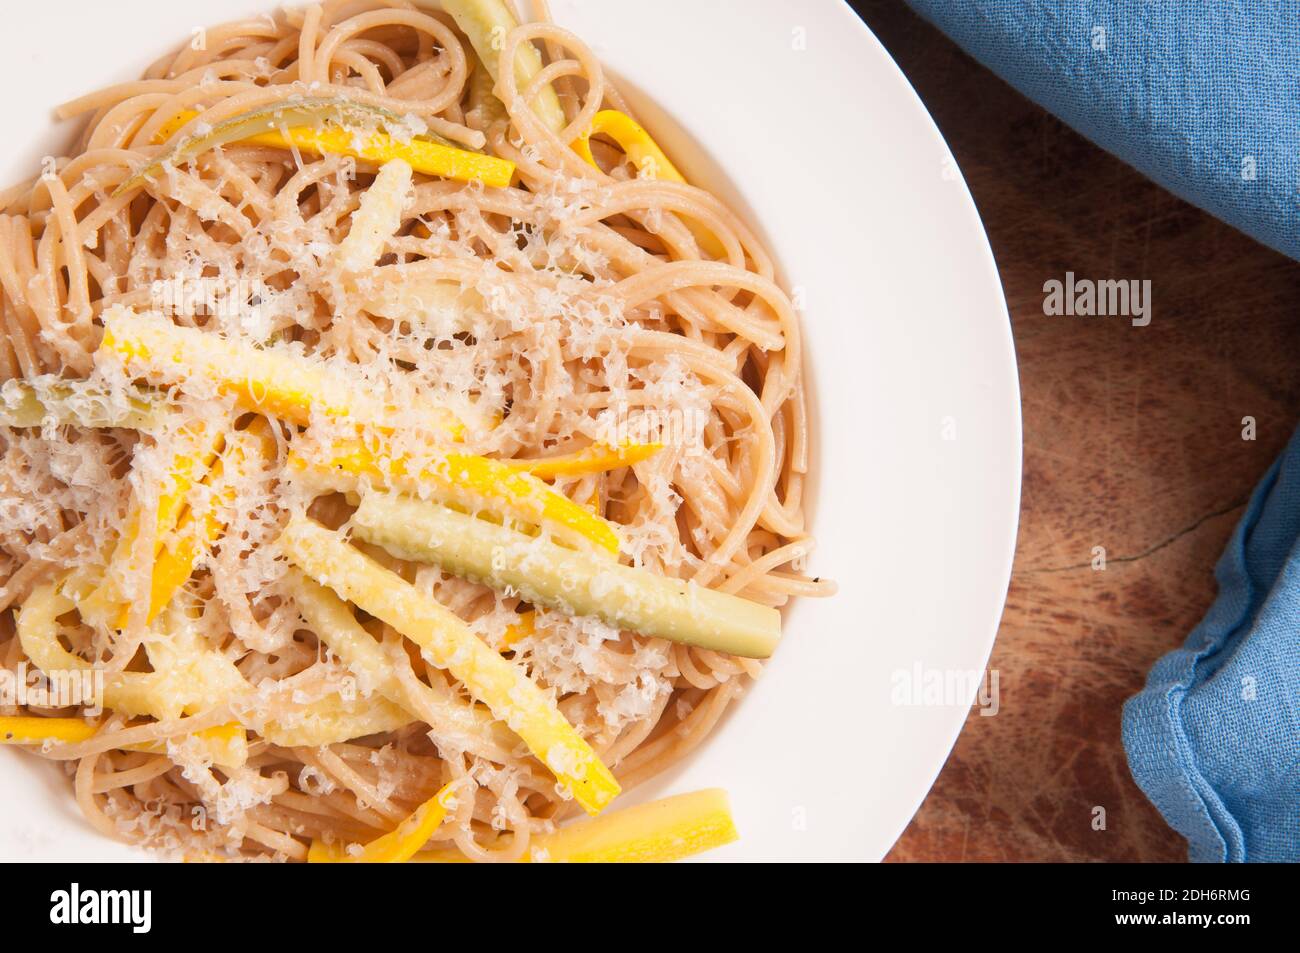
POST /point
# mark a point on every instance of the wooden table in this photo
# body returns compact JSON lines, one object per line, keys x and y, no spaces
{"x":1133,"y":442}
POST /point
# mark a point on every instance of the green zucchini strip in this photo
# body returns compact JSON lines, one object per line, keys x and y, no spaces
{"x":567,"y":580}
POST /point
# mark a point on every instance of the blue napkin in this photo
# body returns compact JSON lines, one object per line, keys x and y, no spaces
{"x":1203,"y":96}
{"x":1214,"y":738}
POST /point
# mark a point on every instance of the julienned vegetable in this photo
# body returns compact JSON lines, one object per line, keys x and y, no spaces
{"x":273,"y":380}
{"x":189,"y":675}
{"x":279,"y":115}
{"x":643,"y":152}
{"x":193,"y":454}
{"x":175,"y":559}
{"x":321,"y":125}
{"x":285,"y":384}
{"x":228,"y":743}
{"x":657,"y":832}
{"x":486,"y":23}
{"x":425,"y":155}
{"x":597,"y":458}
{"x":466,"y":726}
{"x":459,"y":478}
{"x":564,"y":579}
{"x":376,"y":220}
{"x":646,"y":157}
{"x":397,"y":846}
{"x":450,"y":644}
{"x":30,"y":403}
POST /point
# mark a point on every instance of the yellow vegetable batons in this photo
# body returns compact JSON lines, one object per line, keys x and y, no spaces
{"x":192,"y":456}
{"x":422,"y":155}
{"x":190,"y":677}
{"x":462,"y":724}
{"x":641,"y":150}
{"x":34,"y":730}
{"x":174,"y":563}
{"x":598,"y":458}
{"x":450,"y":644}
{"x":288,"y":385}
{"x":228,"y":743}
{"x":458,"y":478}
{"x":648,"y":159}
{"x":659,"y":832}
{"x":397,"y":846}
{"x":377,"y":218}
{"x":333,"y":719}
{"x":335,"y":124}
{"x":277,"y":380}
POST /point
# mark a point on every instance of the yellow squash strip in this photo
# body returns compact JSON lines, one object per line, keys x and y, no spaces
{"x":422,"y":155}
{"x":567,"y":580}
{"x":172,"y":569}
{"x":187,"y":675}
{"x":190,"y":677}
{"x":461,"y":479}
{"x":486,"y":23}
{"x":397,"y":846}
{"x":28,"y":730}
{"x":598,"y":458}
{"x":646,"y":157}
{"x":436,"y":306}
{"x":463,"y":725}
{"x":31,"y":403}
{"x":525,"y":628}
{"x":271,"y":117}
{"x":333,"y":719}
{"x":376,"y":219}
{"x":192,"y":458}
{"x":227,"y":743}
{"x":659,"y":832}
{"x":38,"y":634}
{"x":175,"y":562}
{"x":228,"y":739}
{"x":643,"y":152}
{"x":276,"y":381}
{"x":450,"y":644}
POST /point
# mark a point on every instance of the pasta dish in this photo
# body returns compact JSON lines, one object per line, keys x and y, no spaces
{"x":401,"y":458}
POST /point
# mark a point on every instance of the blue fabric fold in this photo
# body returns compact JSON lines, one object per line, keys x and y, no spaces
{"x":1203,"y":96}
{"x":1214,"y":738}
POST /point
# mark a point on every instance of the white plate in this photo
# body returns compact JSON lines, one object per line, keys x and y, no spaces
{"x":828,"y":151}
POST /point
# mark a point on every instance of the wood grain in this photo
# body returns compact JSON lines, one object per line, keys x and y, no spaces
{"x":1133,"y":442}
